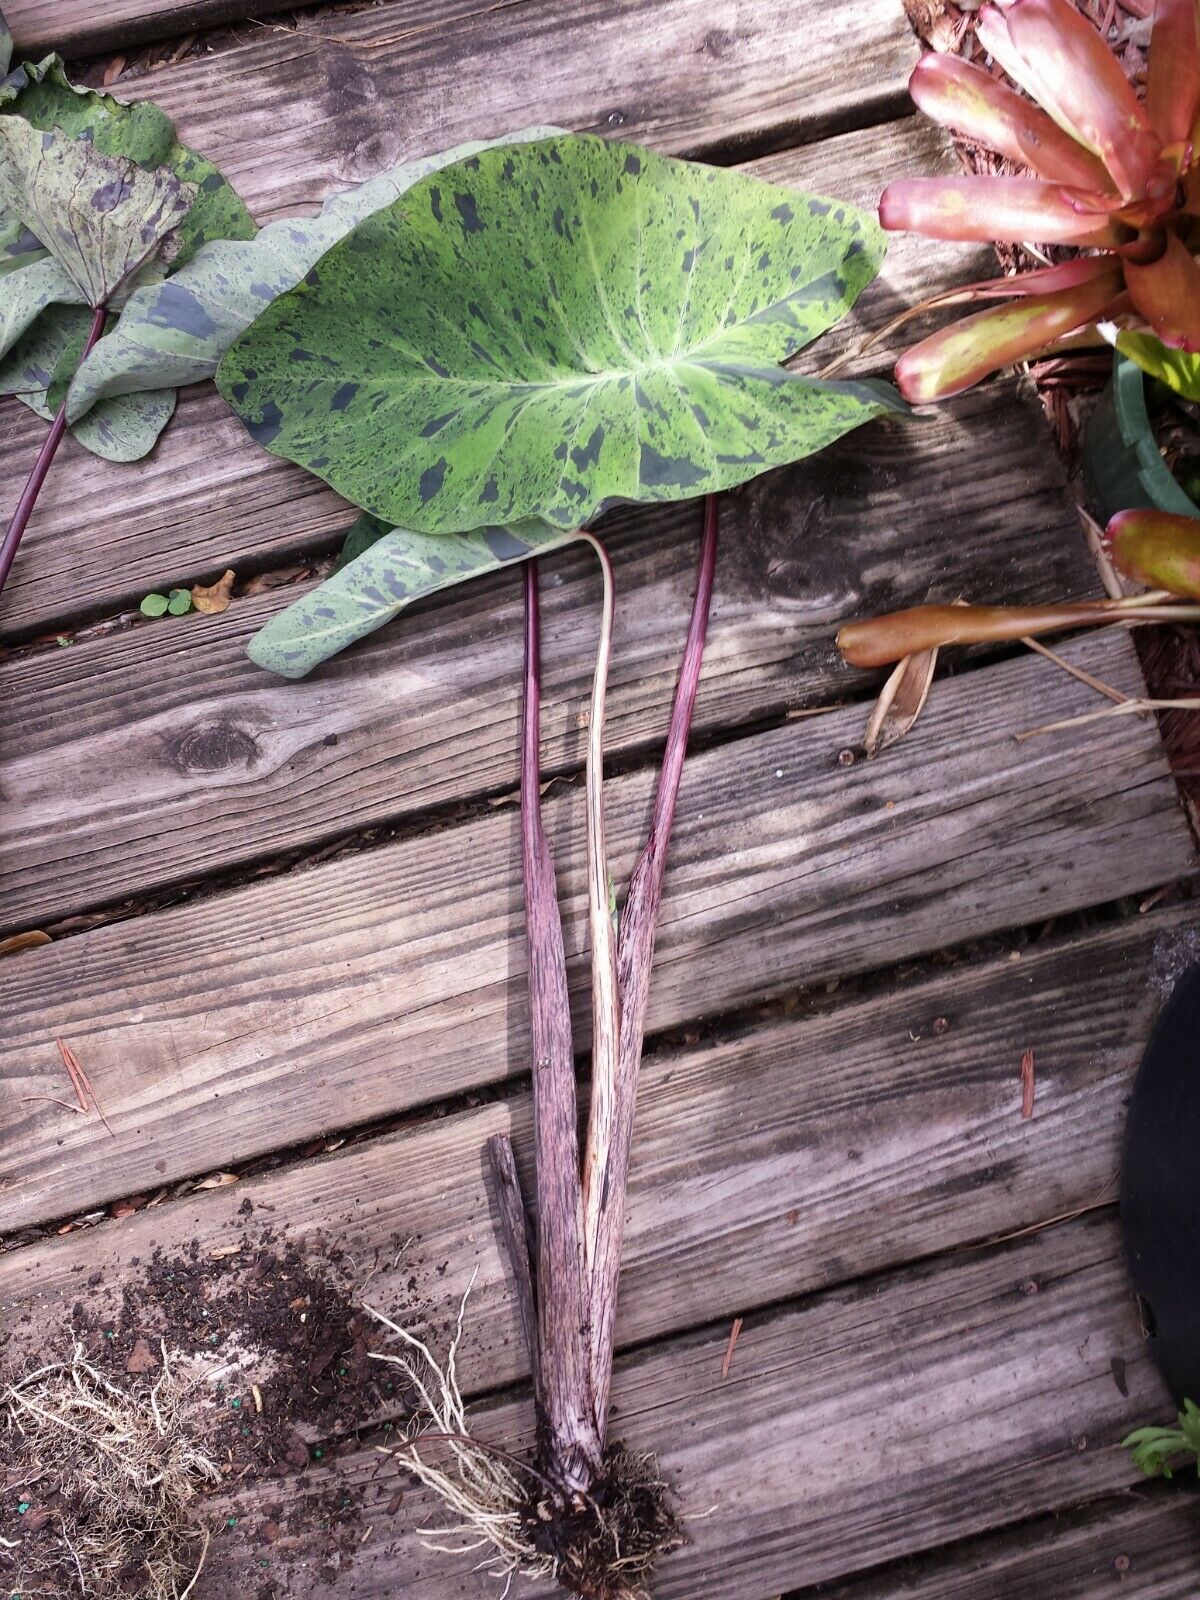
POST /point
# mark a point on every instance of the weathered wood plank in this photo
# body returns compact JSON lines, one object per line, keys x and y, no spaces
{"x":385,"y":979}
{"x":291,"y":113}
{"x":208,"y":498}
{"x":82,"y":27}
{"x":1145,"y":1548}
{"x":799,"y":1155}
{"x":861,"y":1427}
{"x":144,"y":757}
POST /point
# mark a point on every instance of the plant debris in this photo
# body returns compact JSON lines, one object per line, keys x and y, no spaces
{"x":107,"y":1478}
{"x":184,"y":1395}
{"x":1028,"y":1085}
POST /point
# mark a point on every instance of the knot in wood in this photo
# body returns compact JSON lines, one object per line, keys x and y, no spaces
{"x":215,"y":747}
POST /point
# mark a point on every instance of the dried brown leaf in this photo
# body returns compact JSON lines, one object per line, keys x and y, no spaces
{"x":213,"y":598}
{"x":901,"y":701}
{"x":142,"y":1358}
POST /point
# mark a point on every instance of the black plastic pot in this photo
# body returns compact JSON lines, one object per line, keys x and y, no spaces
{"x":1159,"y":1216}
{"x":1121,"y":459}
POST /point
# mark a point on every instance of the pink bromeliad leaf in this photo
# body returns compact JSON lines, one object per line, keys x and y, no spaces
{"x":987,"y":208}
{"x":1173,"y":87}
{"x":1041,"y":280}
{"x":968,"y":99}
{"x":1158,"y":549}
{"x":953,"y":359}
{"x":1082,"y":85}
{"x":1167,"y":293}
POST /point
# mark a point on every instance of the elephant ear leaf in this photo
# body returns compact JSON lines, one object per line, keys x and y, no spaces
{"x":546,"y":329}
{"x":381,"y":571}
{"x":101,"y":217}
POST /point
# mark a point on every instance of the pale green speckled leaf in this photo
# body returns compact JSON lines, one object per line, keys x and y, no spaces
{"x":547,"y":329}
{"x":121,"y":429}
{"x":393,"y":567}
{"x":26,"y":294}
{"x":42,"y":95}
{"x":101,"y":217}
{"x":176,"y":332}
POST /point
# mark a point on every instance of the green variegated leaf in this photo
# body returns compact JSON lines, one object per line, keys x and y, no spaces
{"x":44,"y":97}
{"x":545,"y":329}
{"x":39,"y":366}
{"x":26,"y":294}
{"x":37,"y":295}
{"x":1176,"y":368}
{"x":360,"y":536}
{"x":101,"y":217}
{"x":387,"y":571}
{"x":176,"y":332}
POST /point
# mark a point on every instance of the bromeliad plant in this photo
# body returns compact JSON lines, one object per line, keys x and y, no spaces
{"x":1116,"y":180}
{"x":1113,"y":178}
{"x":96,"y":197}
{"x":519,"y":341}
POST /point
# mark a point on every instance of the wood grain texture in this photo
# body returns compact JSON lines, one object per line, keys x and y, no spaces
{"x":143,"y":758}
{"x":859,"y":1427}
{"x":392,"y":977}
{"x":289,"y":114}
{"x":795,"y":1156}
{"x":1144,"y":1548}
{"x":81,"y":27}
{"x":208,"y":498}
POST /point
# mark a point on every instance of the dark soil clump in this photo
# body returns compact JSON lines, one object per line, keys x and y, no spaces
{"x":607,"y":1548}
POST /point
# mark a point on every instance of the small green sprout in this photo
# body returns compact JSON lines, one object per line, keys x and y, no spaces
{"x":176,"y":604}
{"x":1157,"y":1451}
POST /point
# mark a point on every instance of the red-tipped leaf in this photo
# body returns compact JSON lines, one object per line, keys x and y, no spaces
{"x":1167,"y":293}
{"x":1157,"y":549}
{"x":966,"y":98}
{"x":1042,"y":280}
{"x":986,"y":208}
{"x":1083,"y":86}
{"x":950,"y":361}
{"x":1173,"y":88}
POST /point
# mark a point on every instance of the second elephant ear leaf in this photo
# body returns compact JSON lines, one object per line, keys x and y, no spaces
{"x":101,"y":217}
{"x":546,"y":329}
{"x":41,"y":364}
{"x":42,"y":323}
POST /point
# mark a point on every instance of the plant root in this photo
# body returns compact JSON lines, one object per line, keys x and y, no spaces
{"x":480,"y":1487}
{"x":111,"y":1476}
{"x":600,"y":1546}
{"x":606,"y":1546}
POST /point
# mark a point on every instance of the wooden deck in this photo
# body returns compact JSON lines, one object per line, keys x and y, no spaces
{"x":286,"y":927}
